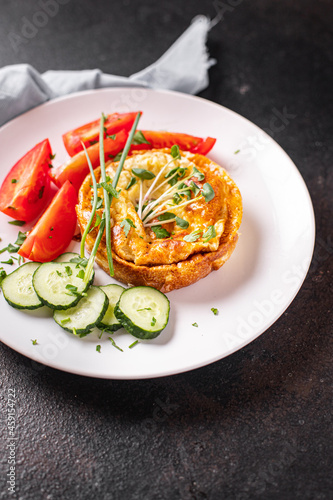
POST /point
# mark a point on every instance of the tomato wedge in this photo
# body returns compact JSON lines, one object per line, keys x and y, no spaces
{"x":162,"y":139}
{"x":55,"y":229}
{"x":204,"y":147}
{"x":25,"y":191}
{"x":89,"y":133}
{"x":76,"y":169}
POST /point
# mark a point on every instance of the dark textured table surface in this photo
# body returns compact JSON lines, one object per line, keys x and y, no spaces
{"x":258,"y":423}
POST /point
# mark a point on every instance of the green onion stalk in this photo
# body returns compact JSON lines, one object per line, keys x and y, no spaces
{"x":105,"y":222}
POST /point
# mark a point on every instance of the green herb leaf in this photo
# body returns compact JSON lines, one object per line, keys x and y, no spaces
{"x":34,"y":342}
{"x":14,"y":181}
{"x":114,"y":344}
{"x":20,"y":238}
{"x":160,"y":232}
{"x":199,"y":175}
{"x":195,"y":324}
{"x":194,"y":236}
{"x":99,"y":202}
{"x":153,"y":321}
{"x":131,"y":183}
{"x":98,"y":348}
{"x":194,"y":188}
{"x":175,"y":153}
{"x":10,"y":248}
{"x":166,"y":216}
{"x":209,"y":234}
{"x":9,"y":261}
{"x":113,"y":136}
{"x":143,"y":174}
{"x":68,"y":270}
{"x":144,"y":309}
{"x":82,"y":261}
{"x":97,"y":222}
{"x":215,"y":311}
{"x":182,"y":223}
{"x":139,"y":138}
{"x":52,"y":156}
{"x":126,"y":224}
{"x":208,"y":192}
{"x":80,"y":274}
{"x":72,"y":289}
{"x":117,"y":157}
{"x":17,"y":222}
{"x":64,"y":321}
{"x":3,"y":274}
{"x":109,"y":188}
{"x":176,"y":199}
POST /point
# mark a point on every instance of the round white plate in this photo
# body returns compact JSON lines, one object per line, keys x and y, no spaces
{"x":250,"y":291}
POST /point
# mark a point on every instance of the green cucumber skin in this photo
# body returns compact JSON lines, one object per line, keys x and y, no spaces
{"x":17,"y":306}
{"x":133,"y":329}
{"x":72,"y":304}
{"x":109,"y":328}
{"x":87,"y":329}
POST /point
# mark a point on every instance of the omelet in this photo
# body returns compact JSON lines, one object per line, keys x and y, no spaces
{"x":175,"y":220}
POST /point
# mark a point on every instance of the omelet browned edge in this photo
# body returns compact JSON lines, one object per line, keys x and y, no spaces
{"x":168,"y":277}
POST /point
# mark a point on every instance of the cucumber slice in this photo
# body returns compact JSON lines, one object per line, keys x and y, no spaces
{"x":59,"y":285}
{"x":110,"y":322}
{"x":143,"y":311}
{"x":86,"y":314}
{"x":18,"y":290}
{"x":66,"y":257}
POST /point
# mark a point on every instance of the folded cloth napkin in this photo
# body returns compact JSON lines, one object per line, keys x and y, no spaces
{"x":184,"y":67}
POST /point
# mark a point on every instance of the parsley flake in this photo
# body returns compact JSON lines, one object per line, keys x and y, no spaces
{"x":215,"y":311}
{"x":126,"y":224}
{"x":98,"y":348}
{"x":160,"y":232}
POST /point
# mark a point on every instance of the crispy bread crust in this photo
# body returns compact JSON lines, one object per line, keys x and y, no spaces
{"x":167,"y":277}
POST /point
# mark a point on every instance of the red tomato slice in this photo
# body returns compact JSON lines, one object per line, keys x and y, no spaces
{"x":55,"y":229}
{"x":204,"y":147}
{"x":25,"y":191}
{"x":162,"y":139}
{"x":89,"y":133}
{"x":76,"y":169}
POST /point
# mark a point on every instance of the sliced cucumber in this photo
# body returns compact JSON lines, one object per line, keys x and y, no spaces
{"x":143,"y":311}
{"x":18,"y":290}
{"x":110,"y":322}
{"x":66,"y":257}
{"x":86,"y":314}
{"x":60,"y":285}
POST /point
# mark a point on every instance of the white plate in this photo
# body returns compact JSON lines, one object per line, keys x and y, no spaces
{"x":250,"y":291}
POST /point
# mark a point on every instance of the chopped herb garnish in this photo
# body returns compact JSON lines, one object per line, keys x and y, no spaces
{"x":34,"y":342}
{"x":126,"y":224}
{"x":10,"y":248}
{"x":97,"y":222}
{"x":131,"y":183}
{"x":109,"y":188}
{"x":64,"y":321}
{"x":194,"y":236}
{"x":144,"y":309}
{"x":160,"y":232}
{"x":95,"y":141}
{"x":17,"y":222}
{"x":153,"y":321}
{"x":80,"y":274}
{"x":139,"y":138}
{"x":59,"y":273}
{"x":195,"y":324}
{"x":3,"y":274}
{"x":51,"y":228}
{"x":114,"y":344}
{"x":12,"y":208}
{"x":14,"y":181}
{"x":134,"y":343}
{"x":236,"y":152}
{"x":74,"y":330}
{"x":194,"y":188}
{"x":118,"y":156}
{"x":52,"y":156}
{"x":208,"y":192}
{"x":199,"y":175}
{"x":20,"y":238}
{"x":9,"y":261}
{"x":215,"y":311}
{"x":41,"y":192}
{"x":166,"y":216}
{"x":143,"y":173}
{"x":72,"y":289}
{"x":98,"y":348}
{"x":68,"y":270}
{"x":99,"y":203}
{"x":182,"y":223}
{"x":113,"y":136}
{"x":82,"y":261}
{"x":209,"y":234}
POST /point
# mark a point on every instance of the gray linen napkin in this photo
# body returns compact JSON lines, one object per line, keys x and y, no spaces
{"x":184,"y":67}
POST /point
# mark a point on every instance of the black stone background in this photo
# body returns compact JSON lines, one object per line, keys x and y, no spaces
{"x":258,"y":423}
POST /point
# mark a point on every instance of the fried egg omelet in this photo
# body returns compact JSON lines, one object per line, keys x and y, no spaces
{"x":174,"y":222}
